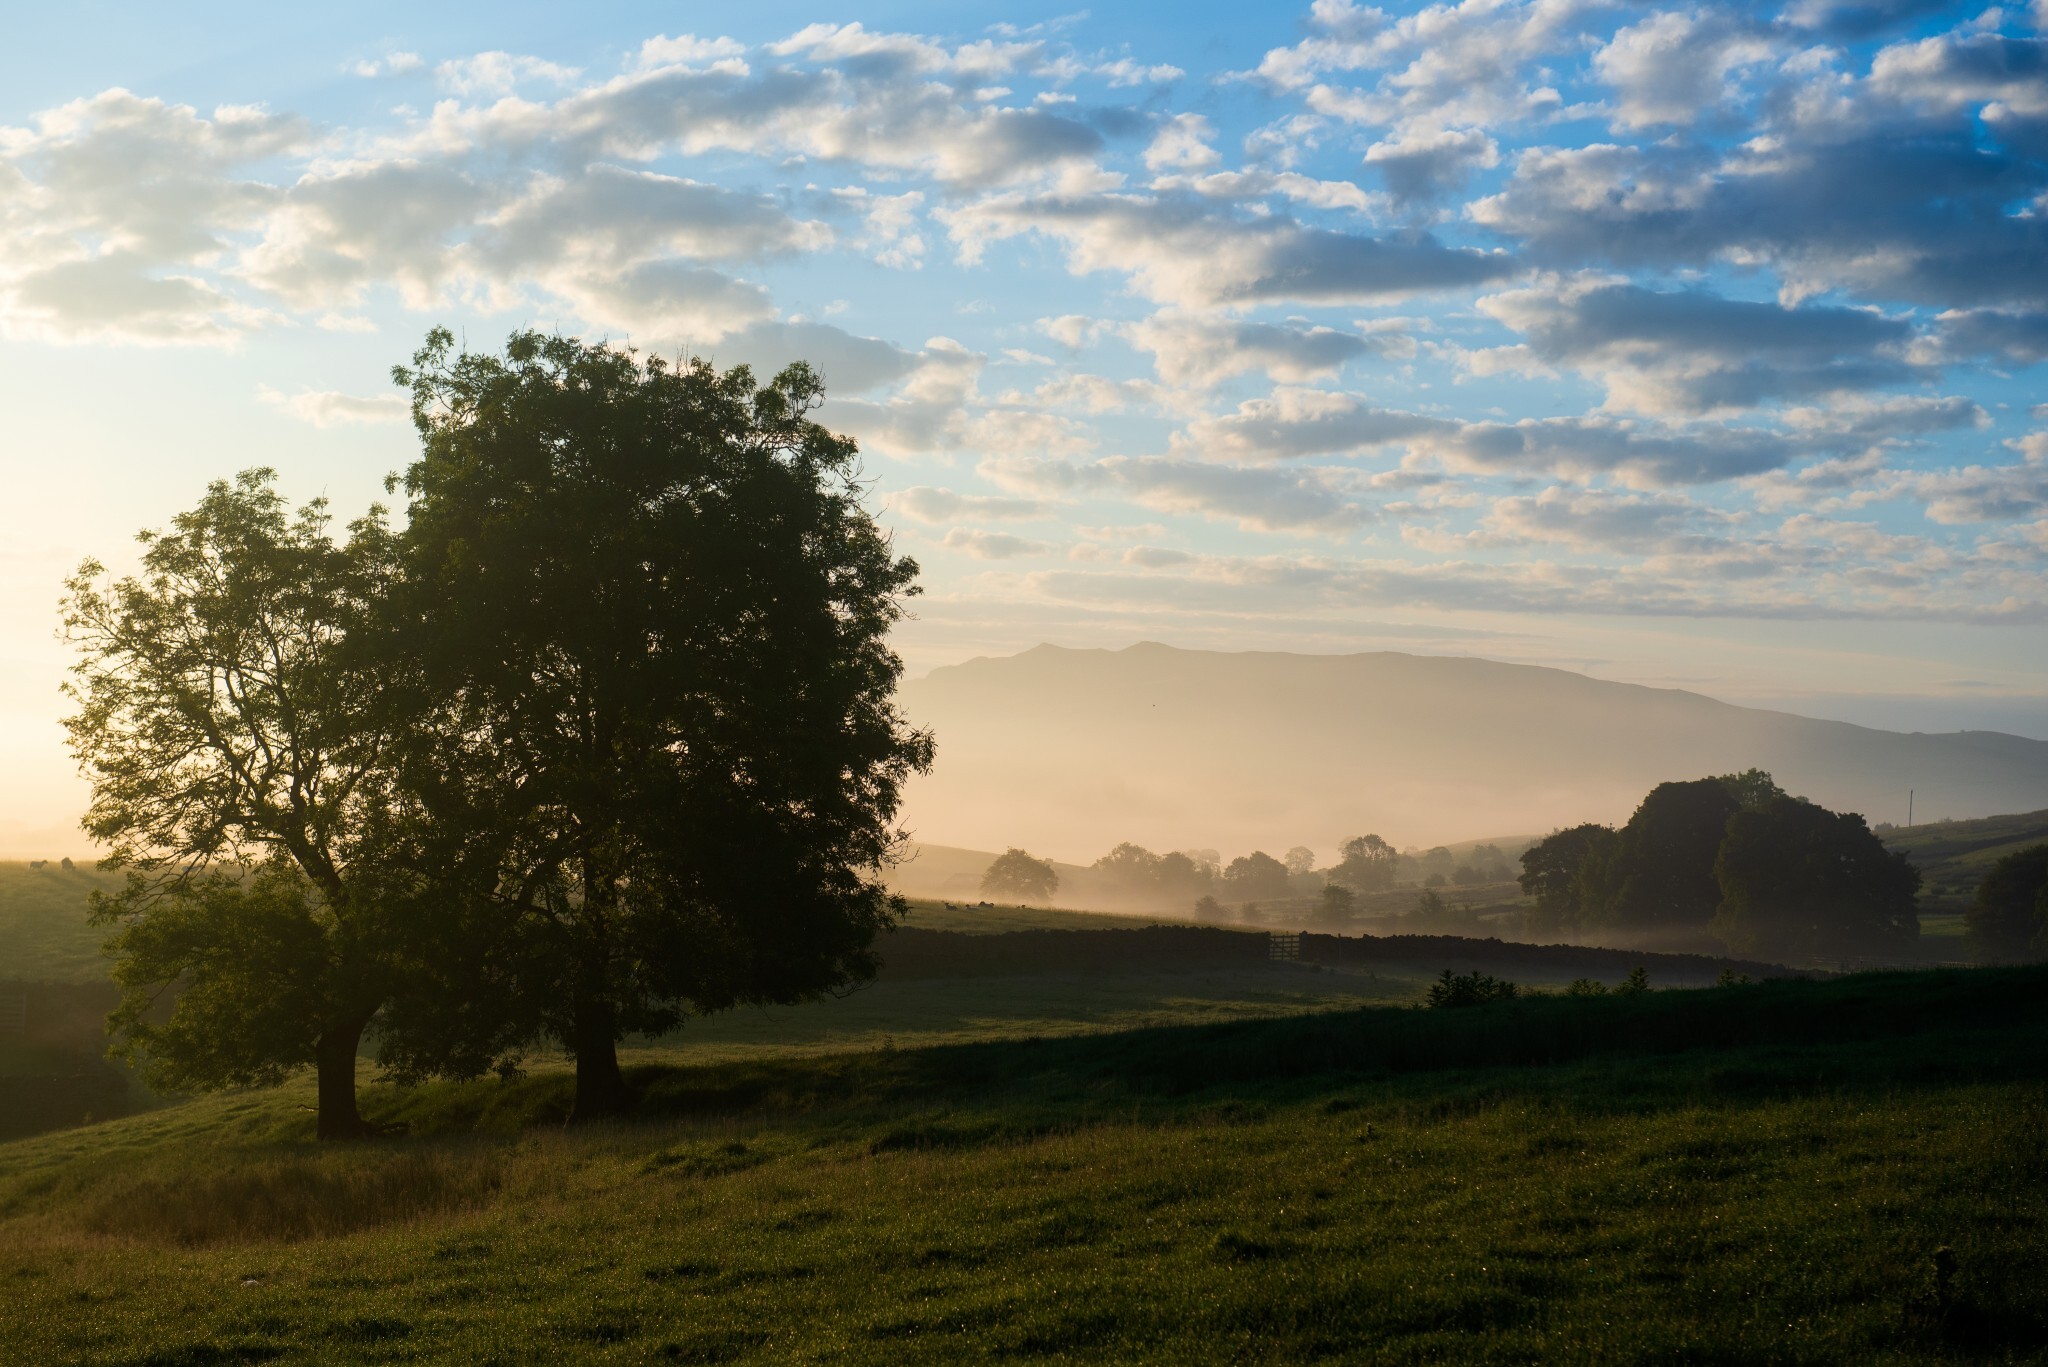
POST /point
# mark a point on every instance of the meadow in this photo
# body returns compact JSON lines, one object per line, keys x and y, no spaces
{"x":1843,"y":1171}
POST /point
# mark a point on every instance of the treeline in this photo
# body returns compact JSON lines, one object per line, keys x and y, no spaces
{"x":1734,"y":857}
{"x":1365,"y":864}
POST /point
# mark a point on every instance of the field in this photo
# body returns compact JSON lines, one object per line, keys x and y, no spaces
{"x":1954,"y":856}
{"x":1738,"y":1174}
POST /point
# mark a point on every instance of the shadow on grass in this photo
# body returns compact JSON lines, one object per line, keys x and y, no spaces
{"x":1880,"y":1032}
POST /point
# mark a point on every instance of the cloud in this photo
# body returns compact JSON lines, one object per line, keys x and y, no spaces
{"x":1694,"y":352}
{"x":1420,"y":166}
{"x":2017,"y":338}
{"x":114,"y":208}
{"x":1182,"y":252}
{"x":1293,"y":422}
{"x":1884,"y":206}
{"x":1469,"y":64}
{"x":500,"y":73}
{"x":1183,"y":144}
{"x":326,"y":408}
{"x":1198,"y":350}
{"x":928,"y":504}
{"x":994,"y":545}
{"x":1295,"y":501}
{"x":1671,"y":68}
{"x":1989,"y":493}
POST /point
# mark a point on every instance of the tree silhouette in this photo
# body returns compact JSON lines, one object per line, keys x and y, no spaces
{"x":1015,"y":873}
{"x":2008,"y":923}
{"x":241,"y":776}
{"x":649,"y":616}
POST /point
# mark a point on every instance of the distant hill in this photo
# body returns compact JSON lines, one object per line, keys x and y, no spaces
{"x":1067,"y":752}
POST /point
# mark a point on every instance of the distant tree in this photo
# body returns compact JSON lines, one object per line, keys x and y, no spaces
{"x":1016,"y":874}
{"x":1256,"y":875}
{"x":1208,"y":909}
{"x":1799,"y":880}
{"x":1635,"y":984}
{"x":1301,"y":859}
{"x":227,"y":725}
{"x":1436,"y":880}
{"x":654,"y":616}
{"x":1556,"y":870}
{"x":1365,"y":863}
{"x":1490,"y":864}
{"x":66,"y":864}
{"x":1183,"y":874}
{"x":1132,"y":869}
{"x":1438,"y":859}
{"x":1668,"y":851}
{"x":1430,"y":905}
{"x":2008,"y":923}
{"x":1336,"y":906}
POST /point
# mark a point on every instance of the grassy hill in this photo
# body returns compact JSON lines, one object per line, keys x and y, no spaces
{"x":1954,"y":856}
{"x":1760,"y":1173}
{"x":44,"y":935}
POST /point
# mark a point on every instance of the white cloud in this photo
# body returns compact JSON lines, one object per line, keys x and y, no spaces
{"x":994,"y":545}
{"x":500,"y":73}
{"x":1185,"y":253}
{"x":326,"y":408}
{"x":1183,"y":144}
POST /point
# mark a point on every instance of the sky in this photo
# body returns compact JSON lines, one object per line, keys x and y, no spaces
{"x":1697,"y":347}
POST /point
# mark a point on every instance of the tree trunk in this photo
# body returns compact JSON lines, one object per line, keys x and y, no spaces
{"x":335,"y":1053}
{"x":600,"y":1086}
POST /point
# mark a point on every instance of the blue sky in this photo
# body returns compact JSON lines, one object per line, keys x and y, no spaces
{"x":1691,"y":346}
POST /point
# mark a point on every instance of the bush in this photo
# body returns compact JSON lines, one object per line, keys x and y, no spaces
{"x":1586,"y":987}
{"x":1470,"y":989}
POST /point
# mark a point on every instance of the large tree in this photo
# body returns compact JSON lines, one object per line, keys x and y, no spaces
{"x":2008,"y":923}
{"x":240,"y":774}
{"x":1798,"y":880}
{"x":650,"y":614}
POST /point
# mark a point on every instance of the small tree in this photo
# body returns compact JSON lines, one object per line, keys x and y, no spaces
{"x":1336,"y":905}
{"x":227,"y":726}
{"x":1469,"y":989}
{"x":2008,"y":923}
{"x":1016,"y":874}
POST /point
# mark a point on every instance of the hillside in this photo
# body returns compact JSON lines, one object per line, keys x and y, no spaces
{"x":1954,"y":856}
{"x":1067,"y":752}
{"x":1751,"y":1174}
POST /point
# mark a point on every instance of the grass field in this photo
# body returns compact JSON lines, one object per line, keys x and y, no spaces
{"x":1954,"y":856}
{"x":44,"y":935}
{"x":1544,"y":1180}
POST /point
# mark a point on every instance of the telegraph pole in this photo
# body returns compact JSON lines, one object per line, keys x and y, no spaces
{"x":1909,"y":806}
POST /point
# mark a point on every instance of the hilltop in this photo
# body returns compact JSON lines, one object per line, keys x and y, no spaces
{"x":1067,"y":752}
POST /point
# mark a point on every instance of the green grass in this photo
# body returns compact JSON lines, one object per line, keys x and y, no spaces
{"x":44,"y":935}
{"x":1954,"y":856}
{"x":927,"y":1011}
{"x":1377,"y":1185}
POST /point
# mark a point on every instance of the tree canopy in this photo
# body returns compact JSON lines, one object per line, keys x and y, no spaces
{"x":651,"y":606}
{"x":1799,"y":881}
{"x":241,"y":773}
{"x":2008,"y":921}
{"x":1015,"y":873}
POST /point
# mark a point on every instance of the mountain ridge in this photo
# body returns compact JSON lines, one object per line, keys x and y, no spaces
{"x":1077,"y":748}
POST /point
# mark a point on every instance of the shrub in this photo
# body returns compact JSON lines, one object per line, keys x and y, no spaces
{"x":1586,"y":987}
{"x":1637,"y":981}
{"x":1470,"y":989}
